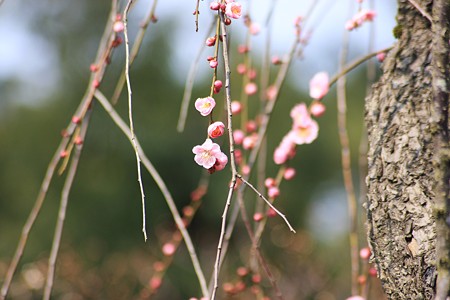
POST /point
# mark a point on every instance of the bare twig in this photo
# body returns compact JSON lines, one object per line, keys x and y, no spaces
{"x":232,"y":159}
{"x":347,"y":167}
{"x":162,"y":186}
{"x":354,"y":64}
{"x":196,"y":15}
{"x":32,"y":218}
{"x":190,"y":84}
{"x":256,"y":249}
{"x":130,"y":113}
{"x":135,"y":50}
{"x":102,"y":52}
{"x":268,"y":202}
{"x":63,"y":208}
{"x":421,"y":10}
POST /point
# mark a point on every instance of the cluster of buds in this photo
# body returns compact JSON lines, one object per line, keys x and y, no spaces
{"x":230,"y":8}
{"x":364,"y":15}
{"x":209,"y":155}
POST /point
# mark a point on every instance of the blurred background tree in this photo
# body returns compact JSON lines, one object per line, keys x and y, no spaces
{"x":44,"y":70}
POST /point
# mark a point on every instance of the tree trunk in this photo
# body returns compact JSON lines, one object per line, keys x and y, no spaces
{"x":408,"y":173}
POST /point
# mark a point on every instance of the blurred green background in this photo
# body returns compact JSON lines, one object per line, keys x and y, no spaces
{"x":103,"y":255}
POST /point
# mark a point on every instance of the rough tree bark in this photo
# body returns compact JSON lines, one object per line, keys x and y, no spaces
{"x":407,"y":122}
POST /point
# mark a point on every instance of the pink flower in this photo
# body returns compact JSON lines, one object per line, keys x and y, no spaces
{"x":233,"y":10}
{"x":221,"y":161}
{"x":251,"y":74}
{"x":284,"y":151}
{"x":217,"y":86}
{"x":118,"y":26}
{"x":364,"y":253}
{"x":251,"y":88}
{"x":317,"y":109}
{"x":214,"y":6}
{"x":238,"y":136}
{"x":300,"y":115}
{"x":254,"y":28}
{"x":258,"y":217}
{"x":205,"y":105}
{"x":289,"y":173}
{"x":269,"y":182}
{"x":381,"y":56}
{"x":211,"y":41}
{"x":271,"y":92}
{"x":213,"y":64}
{"x":236,"y":107}
{"x":209,"y":156}
{"x":169,"y":249}
{"x":319,"y":85}
{"x":241,"y":69}
{"x":273,"y":192}
{"x":304,"y":135}
{"x":364,"y":15}
{"x":250,"y":141}
{"x":216,"y":129}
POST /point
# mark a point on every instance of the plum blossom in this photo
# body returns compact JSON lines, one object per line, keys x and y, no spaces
{"x":317,"y":109}
{"x":304,"y":135}
{"x":304,"y":131}
{"x":209,"y":156}
{"x":216,"y":129}
{"x":284,"y":151}
{"x":364,"y":15}
{"x":205,"y":105}
{"x":251,"y":88}
{"x":233,"y":9}
{"x":319,"y":85}
{"x":238,"y":136}
{"x":236,"y":107}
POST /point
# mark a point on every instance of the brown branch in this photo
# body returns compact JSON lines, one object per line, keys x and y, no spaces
{"x":161,"y":185}
{"x":347,"y":167}
{"x":421,"y":10}
{"x":232,"y":159}
{"x":134,"y":50}
{"x":130,"y":113}
{"x":63,"y":208}
{"x":354,"y":64}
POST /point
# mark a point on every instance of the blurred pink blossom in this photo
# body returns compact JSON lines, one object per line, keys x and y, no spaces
{"x":233,"y":10}
{"x":319,"y":85}
{"x":364,"y":15}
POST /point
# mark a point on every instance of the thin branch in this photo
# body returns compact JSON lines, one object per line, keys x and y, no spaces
{"x":62,"y":210}
{"x":267,"y":202}
{"x":231,"y":145}
{"x":347,"y":167}
{"x":134,"y":50}
{"x":196,"y":15}
{"x":162,"y":186}
{"x":130,"y":113}
{"x":32,"y":218}
{"x":102,"y":52}
{"x":422,"y":11}
{"x":190,"y":84}
{"x":354,"y":64}
{"x":256,"y":248}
